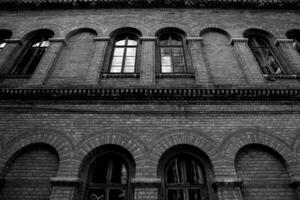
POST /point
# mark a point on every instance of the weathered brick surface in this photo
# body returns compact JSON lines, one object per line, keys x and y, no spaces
{"x":264,"y":174}
{"x":28,"y":174}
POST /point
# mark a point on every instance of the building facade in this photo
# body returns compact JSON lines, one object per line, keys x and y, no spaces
{"x":149,"y":100}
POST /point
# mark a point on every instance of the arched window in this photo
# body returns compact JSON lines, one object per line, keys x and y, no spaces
{"x":35,"y":46}
{"x":4,"y":34}
{"x":171,"y":51}
{"x":124,"y":55}
{"x":108,"y":178}
{"x":185,"y":179}
{"x":264,"y":54}
{"x":294,"y":35}
{"x":123,"y":52}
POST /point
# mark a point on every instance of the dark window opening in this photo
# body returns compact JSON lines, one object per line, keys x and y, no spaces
{"x":124,"y":55}
{"x":108,"y":179}
{"x":32,"y":54}
{"x":171,"y":54}
{"x":4,"y":34}
{"x":265,"y":55}
{"x":295,"y":36}
{"x":185,"y":179}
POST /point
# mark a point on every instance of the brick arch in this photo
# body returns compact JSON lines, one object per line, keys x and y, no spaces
{"x":155,"y":28}
{"x":234,"y":142}
{"x":98,"y":28}
{"x":55,"y":139}
{"x":120,"y":25}
{"x":55,"y":28}
{"x":210,"y":27}
{"x":260,"y":28}
{"x":118,"y":137}
{"x":173,"y":137}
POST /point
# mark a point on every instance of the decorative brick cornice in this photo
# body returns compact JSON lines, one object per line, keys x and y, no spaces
{"x":15,"y":76}
{"x":101,"y":39}
{"x":117,"y":75}
{"x":148,"y":38}
{"x":273,"y":77}
{"x":194,"y":38}
{"x":247,"y":94}
{"x":65,"y":181}
{"x":54,"y":4}
{"x":62,"y":40}
{"x":170,"y":75}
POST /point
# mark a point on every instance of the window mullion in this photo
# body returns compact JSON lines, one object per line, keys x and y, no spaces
{"x":124,"y":58}
{"x":172,"y":61}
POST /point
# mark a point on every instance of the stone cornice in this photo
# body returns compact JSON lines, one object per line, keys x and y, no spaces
{"x":105,"y":39}
{"x":148,"y":38}
{"x":227,"y":182}
{"x":62,"y":40}
{"x":64,"y":181}
{"x":239,"y":94}
{"x":13,"y":41}
{"x":241,"y":40}
{"x":194,"y":38}
{"x":279,"y":41}
{"x":54,"y":4}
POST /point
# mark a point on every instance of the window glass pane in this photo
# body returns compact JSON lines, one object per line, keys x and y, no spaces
{"x":165,"y":51}
{"x":175,"y":40}
{"x":115,"y":69}
{"x":175,"y":194}
{"x":174,"y":174}
{"x":194,"y":194}
{"x":119,"y":172}
{"x":117,"y":61}
{"x":194,"y":173}
{"x":129,"y":65}
{"x":36,"y":44}
{"x":99,"y":175}
{"x":117,"y":194}
{"x":45,"y":43}
{"x":130,"y":51}
{"x":131,"y":42}
{"x":120,"y":42}
{"x":96,"y":194}
{"x":119,"y":52}
{"x":2,"y":45}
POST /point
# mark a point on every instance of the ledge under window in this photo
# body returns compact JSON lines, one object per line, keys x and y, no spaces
{"x":120,"y":75}
{"x":273,"y":77}
{"x":169,"y":75}
{"x":15,"y":76}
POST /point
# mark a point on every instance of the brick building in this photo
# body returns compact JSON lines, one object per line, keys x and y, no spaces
{"x":149,"y":100}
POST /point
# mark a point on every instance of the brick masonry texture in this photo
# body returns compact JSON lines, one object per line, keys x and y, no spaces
{"x":251,"y":149}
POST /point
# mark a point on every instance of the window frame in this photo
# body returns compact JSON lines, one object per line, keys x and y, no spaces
{"x":185,"y":187}
{"x":125,"y":47}
{"x":109,"y":185}
{"x":28,"y":69}
{"x":124,"y":32}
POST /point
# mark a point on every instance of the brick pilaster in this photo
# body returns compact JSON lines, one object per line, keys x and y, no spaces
{"x":196,"y":48}
{"x":248,"y":62}
{"x":146,"y":188}
{"x":47,"y":61}
{"x":147,"y":69}
{"x":97,"y":60}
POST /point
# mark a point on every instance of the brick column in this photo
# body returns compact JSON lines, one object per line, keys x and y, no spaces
{"x":247,"y":60}
{"x":196,"y":49}
{"x":146,"y":188}
{"x":97,"y":60}
{"x":9,"y":54}
{"x":291,"y":55}
{"x":147,"y":66}
{"x":228,"y":189}
{"x":64,"y":188}
{"x":47,"y":61}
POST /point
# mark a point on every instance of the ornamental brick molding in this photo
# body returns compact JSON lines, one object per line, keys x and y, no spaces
{"x":233,"y":143}
{"x":106,"y":137}
{"x":173,"y":137}
{"x":126,"y":24}
{"x":55,"y":139}
{"x":82,"y":25}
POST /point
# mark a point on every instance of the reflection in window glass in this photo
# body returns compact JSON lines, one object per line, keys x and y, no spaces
{"x":108,"y":178}
{"x":265,"y":56}
{"x":185,"y":179}
{"x":124,"y":56}
{"x":171,"y":54}
{"x":2,"y":45}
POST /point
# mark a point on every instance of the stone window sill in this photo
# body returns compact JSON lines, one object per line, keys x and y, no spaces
{"x":117,"y":75}
{"x":169,"y":75}
{"x":273,"y":77}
